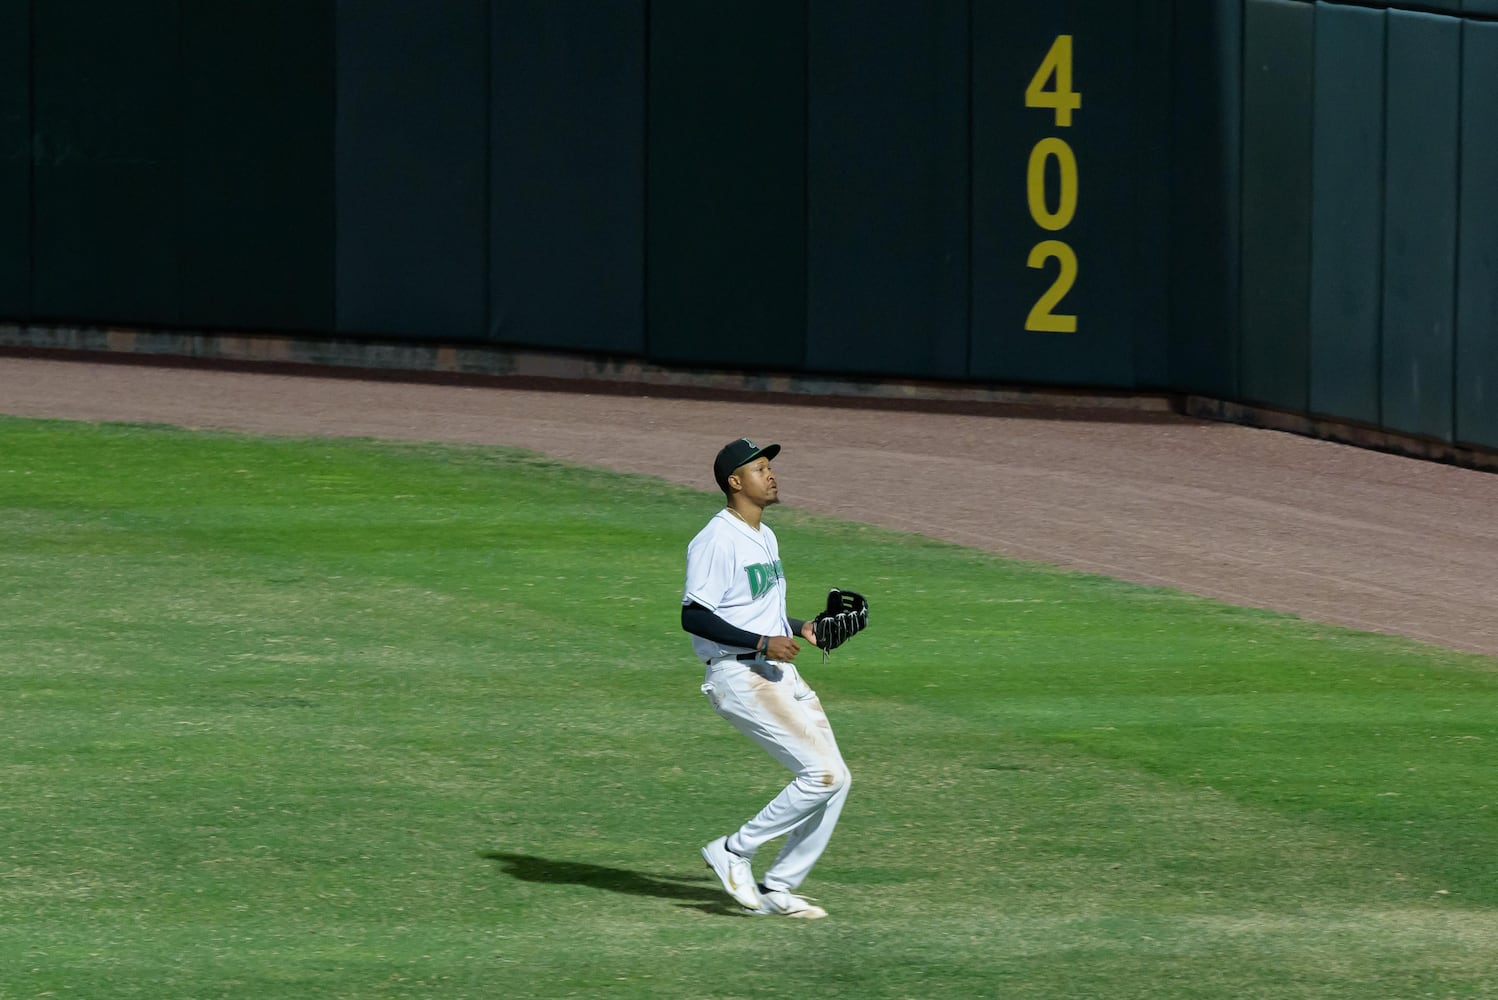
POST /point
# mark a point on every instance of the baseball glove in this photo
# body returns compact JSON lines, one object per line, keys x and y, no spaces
{"x":847,"y":614}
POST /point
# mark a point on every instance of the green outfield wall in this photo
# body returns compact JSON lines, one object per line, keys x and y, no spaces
{"x":1369,"y":270}
{"x":1280,"y":204}
{"x":410,"y":164}
{"x":15,"y":157}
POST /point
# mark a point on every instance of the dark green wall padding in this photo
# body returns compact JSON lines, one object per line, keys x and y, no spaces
{"x":887,"y":105}
{"x":1280,"y":202}
{"x":410,"y":168}
{"x":726,"y":188}
{"x":107,"y":238}
{"x":1347,"y":214}
{"x":1420,"y":219}
{"x":1278,"y":57}
{"x":566,"y":225}
{"x":256,"y":176}
{"x":1204,"y":165}
{"x":1477,"y":268}
{"x":15,"y":157}
{"x":1120,"y":149}
{"x":182,"y":161}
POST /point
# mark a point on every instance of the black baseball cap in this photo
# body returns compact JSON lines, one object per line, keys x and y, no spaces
{"x":737,"y":453}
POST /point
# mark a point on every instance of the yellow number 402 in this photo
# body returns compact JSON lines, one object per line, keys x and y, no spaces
{"x":1060,"y":98}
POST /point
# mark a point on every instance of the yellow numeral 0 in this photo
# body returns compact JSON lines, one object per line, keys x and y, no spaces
{"x":1041,"y":318}
{"x":1066,"y":206}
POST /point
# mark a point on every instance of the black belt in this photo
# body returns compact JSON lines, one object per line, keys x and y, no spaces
{"x":746,"y":657}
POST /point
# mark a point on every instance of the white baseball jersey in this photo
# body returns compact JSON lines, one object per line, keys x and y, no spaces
{"x":735,"y":572}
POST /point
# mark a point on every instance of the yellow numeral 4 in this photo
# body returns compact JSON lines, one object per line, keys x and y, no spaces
{"x":1060,"y":98}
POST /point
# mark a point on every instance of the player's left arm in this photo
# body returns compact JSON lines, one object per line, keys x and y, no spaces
{"x":804,"y":629}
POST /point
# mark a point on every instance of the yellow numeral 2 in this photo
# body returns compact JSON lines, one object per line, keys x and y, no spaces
{"x":1041,"y":318}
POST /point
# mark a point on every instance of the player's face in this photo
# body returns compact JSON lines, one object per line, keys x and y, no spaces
{"x":757,"y":482}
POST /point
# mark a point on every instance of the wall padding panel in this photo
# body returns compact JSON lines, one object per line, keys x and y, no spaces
{"x":15,"y":159}
{"x":412,"y":145}
{"x":1347,"y":213}
{"x":257,"y":164}
{"x":1056,"y":249}
{"x":1205,"y":199}
{"x":1154,"y":242}
{"x":887,"y":187}
{"x":1420,"y":222}
{"x":567,"y":182}
{"x":726,"y":188}
{"x":1477,"y":248}
{"x":1277,"y":113}
{"x":108,"y":154}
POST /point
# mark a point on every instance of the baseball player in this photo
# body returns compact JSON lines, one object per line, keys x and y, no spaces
{"x":734,"y":607}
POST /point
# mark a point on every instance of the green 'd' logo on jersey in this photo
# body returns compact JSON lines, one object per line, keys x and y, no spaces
{"x":762,"y":577}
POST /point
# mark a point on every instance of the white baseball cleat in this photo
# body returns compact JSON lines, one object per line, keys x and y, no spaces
{"x":733,"y":871}
{"x":784,"y":903}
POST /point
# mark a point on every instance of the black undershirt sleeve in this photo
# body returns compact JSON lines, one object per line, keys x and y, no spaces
{"x":699,"y":621}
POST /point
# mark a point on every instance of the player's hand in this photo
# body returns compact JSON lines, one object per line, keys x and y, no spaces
{"x":809,"y":631}
{"x":782,"y":647}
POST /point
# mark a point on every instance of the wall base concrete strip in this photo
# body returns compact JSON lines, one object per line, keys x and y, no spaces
{"x":518,"y":368}
{"x":1372,"y":438}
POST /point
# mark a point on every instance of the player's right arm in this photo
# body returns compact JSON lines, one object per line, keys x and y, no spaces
{"x":700,"y":621}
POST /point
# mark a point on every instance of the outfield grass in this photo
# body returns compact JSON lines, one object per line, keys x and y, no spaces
{"x":311,"y":719}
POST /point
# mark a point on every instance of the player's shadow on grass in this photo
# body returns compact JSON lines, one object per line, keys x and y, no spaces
{"x":533,"y":869}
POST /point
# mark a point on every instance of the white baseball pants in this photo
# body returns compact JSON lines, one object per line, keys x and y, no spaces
{"x":769,"y":702}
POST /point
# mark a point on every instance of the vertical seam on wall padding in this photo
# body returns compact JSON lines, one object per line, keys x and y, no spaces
{"x":31,"y":153}
{"x":179,"y":202}
{"x":1243,"y":84}
{"x":1139,"y":359}
{"x":645,"y":338}
{"x":1168,"y":141}
{"x":1311,"y":210}
{"x":333,"y":169}
{"x":1383,"y":227}
{"x":805,"y":183}
{"x":486,"y":320}
{"x":1456,"y":250}
{"x":967,"y":370}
